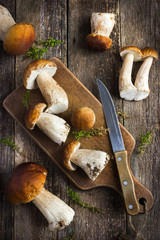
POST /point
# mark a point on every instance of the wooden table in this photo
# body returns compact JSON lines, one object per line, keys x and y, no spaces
{"x":137,"y":23}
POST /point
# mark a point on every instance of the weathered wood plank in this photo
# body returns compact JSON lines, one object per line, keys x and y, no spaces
{"x":86,"y":65}
{"x":140,"y":23}
{"x":6,"y":129}
{"x":49,"y":20}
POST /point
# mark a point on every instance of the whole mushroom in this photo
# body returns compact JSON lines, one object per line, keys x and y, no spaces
{"x":129,"y":55}
{"x":27,"y":184}
{"x":91,"y":161}
{"x":141,"y":82}
{"x":56,"y":128}
{"x":17,"y":37}
{"x":39,"y":74}
{"x":101,"y":28}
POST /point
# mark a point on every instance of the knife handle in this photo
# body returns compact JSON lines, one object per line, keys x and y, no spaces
{"x":127,"y":184}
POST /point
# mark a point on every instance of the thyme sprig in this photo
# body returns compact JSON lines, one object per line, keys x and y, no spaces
{"x":26,"y":98}
{"x":145,"y":140}
{"x":122,"y":114}
{"x":69,"y":238}
{"x":36,"y":52}
{"x":74,"y":197}
{"x":99,"y":131}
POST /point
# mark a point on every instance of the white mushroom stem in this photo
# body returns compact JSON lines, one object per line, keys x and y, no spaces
{"x":141,"y":82}
{"x":54,"y":127}
{"x":102,"y":23}
{"x":57,"y":213}
{"x":54,"y":95}
{"x":91,"y":161}
{"x":6,"y":22}
{"x":127,"y":90}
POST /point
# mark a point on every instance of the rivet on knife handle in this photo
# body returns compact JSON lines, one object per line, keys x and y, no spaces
{"x":127,"y":184}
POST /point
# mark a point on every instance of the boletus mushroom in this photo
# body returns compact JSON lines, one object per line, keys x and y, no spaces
{"x":91,"y":161}
{"x":141,"y":82}
{"x":101,"y":28}
{"x":17,"y":37}
{"x":83,"y":118}
{"x":129,"y":55}
{"x":39,"y":74}
{"x":56,"y":128}
{"x":27,"y":184}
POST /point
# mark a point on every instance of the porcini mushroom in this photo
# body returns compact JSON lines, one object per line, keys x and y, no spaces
{"x":39,"y":74}
{"x":17,"y":37}
{"x":91,"y":161}
{"x":83,"y":118}
{"x":56,"y":128}
{"x":129,"y":55}
{"x":141,"y":82}
{"x":27,"y":184}
{"x":101,"y":28}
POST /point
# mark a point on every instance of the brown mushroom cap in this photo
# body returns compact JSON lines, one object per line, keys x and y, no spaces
{"x":83,"y":118}
{"x":98,"y":42}
{"x":19,"y":38}
{"x":132,"y":49}
{"x":26,"y":183}
{"x":29,"y":79}
{"x":149,"y":52}
{"x":69,"y":149}
{"x":33,"y":115}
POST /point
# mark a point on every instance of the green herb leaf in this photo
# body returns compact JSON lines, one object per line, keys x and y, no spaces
{"x":35,"y":52}
{"x":69,"y":238}
{"x":8,"y":142}
{"x":74,"y":197}
{"x":93,"y":132}
{"x":145,"y":140}
{"x":26,"y":98}
{"x":122,"y":114}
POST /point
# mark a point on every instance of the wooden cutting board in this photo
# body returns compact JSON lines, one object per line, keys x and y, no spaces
{"x":79,"y":96}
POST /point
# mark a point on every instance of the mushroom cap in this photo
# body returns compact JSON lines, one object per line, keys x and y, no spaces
{"x":83,"y":118}
{"x":19,"y":38}
{"x":134,"y":50}
{"x":98,"y":42}
{"x":33,"y":114}
{"x":69,"y":150}
{"x":34,"y":68}
{"x":26,"y":183}
{"x":149,"y":52}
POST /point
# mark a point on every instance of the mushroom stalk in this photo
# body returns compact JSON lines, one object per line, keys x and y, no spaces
{"x":91,"y":161}
{"x":57,"y":213}
{"x":102,"y":23}
{"x":127,"y":90}
{"x":6,"y":21}
{"x":54,"y":95}
{"x":54,"y":127}
{"x":141,"y":82}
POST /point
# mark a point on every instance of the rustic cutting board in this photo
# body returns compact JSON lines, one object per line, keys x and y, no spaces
{"x":78,"y":96}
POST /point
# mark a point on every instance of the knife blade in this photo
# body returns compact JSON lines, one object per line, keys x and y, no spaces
{"x":125,"y":176}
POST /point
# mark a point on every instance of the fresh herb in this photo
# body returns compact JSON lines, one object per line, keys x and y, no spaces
{"x":35,"y":52}
{"x":26,"y":98}
{"x":69,"y":238}
{"x":74,"y":197}
{"x":8,"y":142}
{"x":145,"y":140}
{"x":93,"y":132}
{"x":122,"y":114}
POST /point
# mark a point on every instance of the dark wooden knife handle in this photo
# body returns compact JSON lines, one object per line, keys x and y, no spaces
{"x":127,"y":183}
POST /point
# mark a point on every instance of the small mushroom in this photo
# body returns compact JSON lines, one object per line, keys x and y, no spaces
{"x":91,"y":161}
{"x":39,"y":74}
{"x":141,"y":82}
{"x":83,"y":118}
{"x":56,"y":128}
{"x":17,"y":37}
{"x":129,"y":55}
{"x":101,"y":28}
{"x":27,"y":184}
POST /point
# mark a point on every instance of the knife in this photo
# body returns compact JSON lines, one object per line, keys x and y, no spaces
{"x":126,"y":180}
